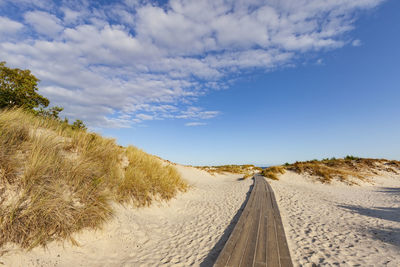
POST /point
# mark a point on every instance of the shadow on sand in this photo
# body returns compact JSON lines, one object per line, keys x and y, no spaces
{"x":390,"y":190}
{"x":214,"y":252}
{"x":388,"y":235}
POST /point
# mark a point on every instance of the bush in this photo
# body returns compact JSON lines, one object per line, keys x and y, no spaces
{"x":78,"y":125}
{"x":52,"y":112}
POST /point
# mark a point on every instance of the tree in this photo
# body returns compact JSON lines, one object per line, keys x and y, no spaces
{"x":18,"y":88}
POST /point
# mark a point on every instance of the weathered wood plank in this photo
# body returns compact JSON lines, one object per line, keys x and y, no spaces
{"x":227,"y":251}
{"x":249,"y":252}
{"x":258,"y":238}
{"x":260,"y":258}
{"x":272,"y":242}
{"x":241,"y":243}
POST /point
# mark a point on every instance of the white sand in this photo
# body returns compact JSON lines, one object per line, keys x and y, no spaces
{"x":325,"y":225}
{"x":185,"y":231}
{"x":338,"y":224}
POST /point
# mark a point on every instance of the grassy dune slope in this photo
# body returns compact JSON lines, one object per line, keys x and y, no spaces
{"x":346,"y":170}
{"x":55,"y":181}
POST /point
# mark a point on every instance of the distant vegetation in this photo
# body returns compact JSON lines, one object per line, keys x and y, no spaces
{"x":56,"y":178}
{"x":248,"y":170}
{"x":327,"y":170}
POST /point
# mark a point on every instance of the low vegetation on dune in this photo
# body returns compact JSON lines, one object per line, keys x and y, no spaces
{"x":247,"y":170}
{"x":273,"y":172}
{"x":56,"y":179}
{"x":347,"y":169}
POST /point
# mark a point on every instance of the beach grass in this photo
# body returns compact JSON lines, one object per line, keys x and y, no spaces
{"x":273,"y":172}
{"x":345,"y":169}
{"x":56,"y":180}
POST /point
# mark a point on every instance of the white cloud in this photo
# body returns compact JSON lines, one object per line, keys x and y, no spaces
{"x":8,"y":26}
{"x":144,"y":117}
{"x":120,"y":64}
{"x":195,"y":124}
{"x":42,"y":4}
{"x":43,"y":22}
{"x":71,"y":16}
{"x":356,"y":42}
{"x":197,"y":113}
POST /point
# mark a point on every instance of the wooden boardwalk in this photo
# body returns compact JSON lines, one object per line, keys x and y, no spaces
{"x":258,"y":238}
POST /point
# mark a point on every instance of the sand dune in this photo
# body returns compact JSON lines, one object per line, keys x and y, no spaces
{"x":185,"y":231}
{"x":334,"y":225}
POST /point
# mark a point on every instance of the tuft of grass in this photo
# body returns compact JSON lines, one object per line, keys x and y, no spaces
{"x":56,"y":180}
{"x":273,"y":172}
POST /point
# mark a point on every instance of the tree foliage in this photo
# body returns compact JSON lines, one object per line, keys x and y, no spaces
{"x":18,"y":88}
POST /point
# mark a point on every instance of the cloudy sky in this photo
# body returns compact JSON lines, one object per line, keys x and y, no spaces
{"x":212,"y":81}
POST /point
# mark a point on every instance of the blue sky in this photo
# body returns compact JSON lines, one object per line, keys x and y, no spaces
{"x":219,"y":82}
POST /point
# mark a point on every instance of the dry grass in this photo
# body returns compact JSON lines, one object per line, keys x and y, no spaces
{"x":147,"y":179}
{"x":324,"y":173}
{"x":247,"y":170}
{"x":56,"y":181}
{"x":348,"y":170}
{"x":273,"y":172}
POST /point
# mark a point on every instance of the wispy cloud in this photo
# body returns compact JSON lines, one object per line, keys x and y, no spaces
{"x":144,"y":117}
{"x":191,"y":124}
{"x":135,"y":58}
{"x":356,"y":42}
{"x":196,"y":113}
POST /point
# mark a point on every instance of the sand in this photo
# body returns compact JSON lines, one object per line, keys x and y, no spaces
{"x":328,"y":225}
{"x":340,"y":225}
{"x":188,"y":230}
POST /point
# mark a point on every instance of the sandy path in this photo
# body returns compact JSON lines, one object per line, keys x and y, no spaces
{"x":333,"y":225}
{"x":182,"y":232}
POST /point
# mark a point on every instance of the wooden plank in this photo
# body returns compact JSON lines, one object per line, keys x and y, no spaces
{"x":249,"y":252}
{"x":258,"y":239}
{"x":241,"y":243}
{"x":228,"y":249}
{"x":260,"y":258}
